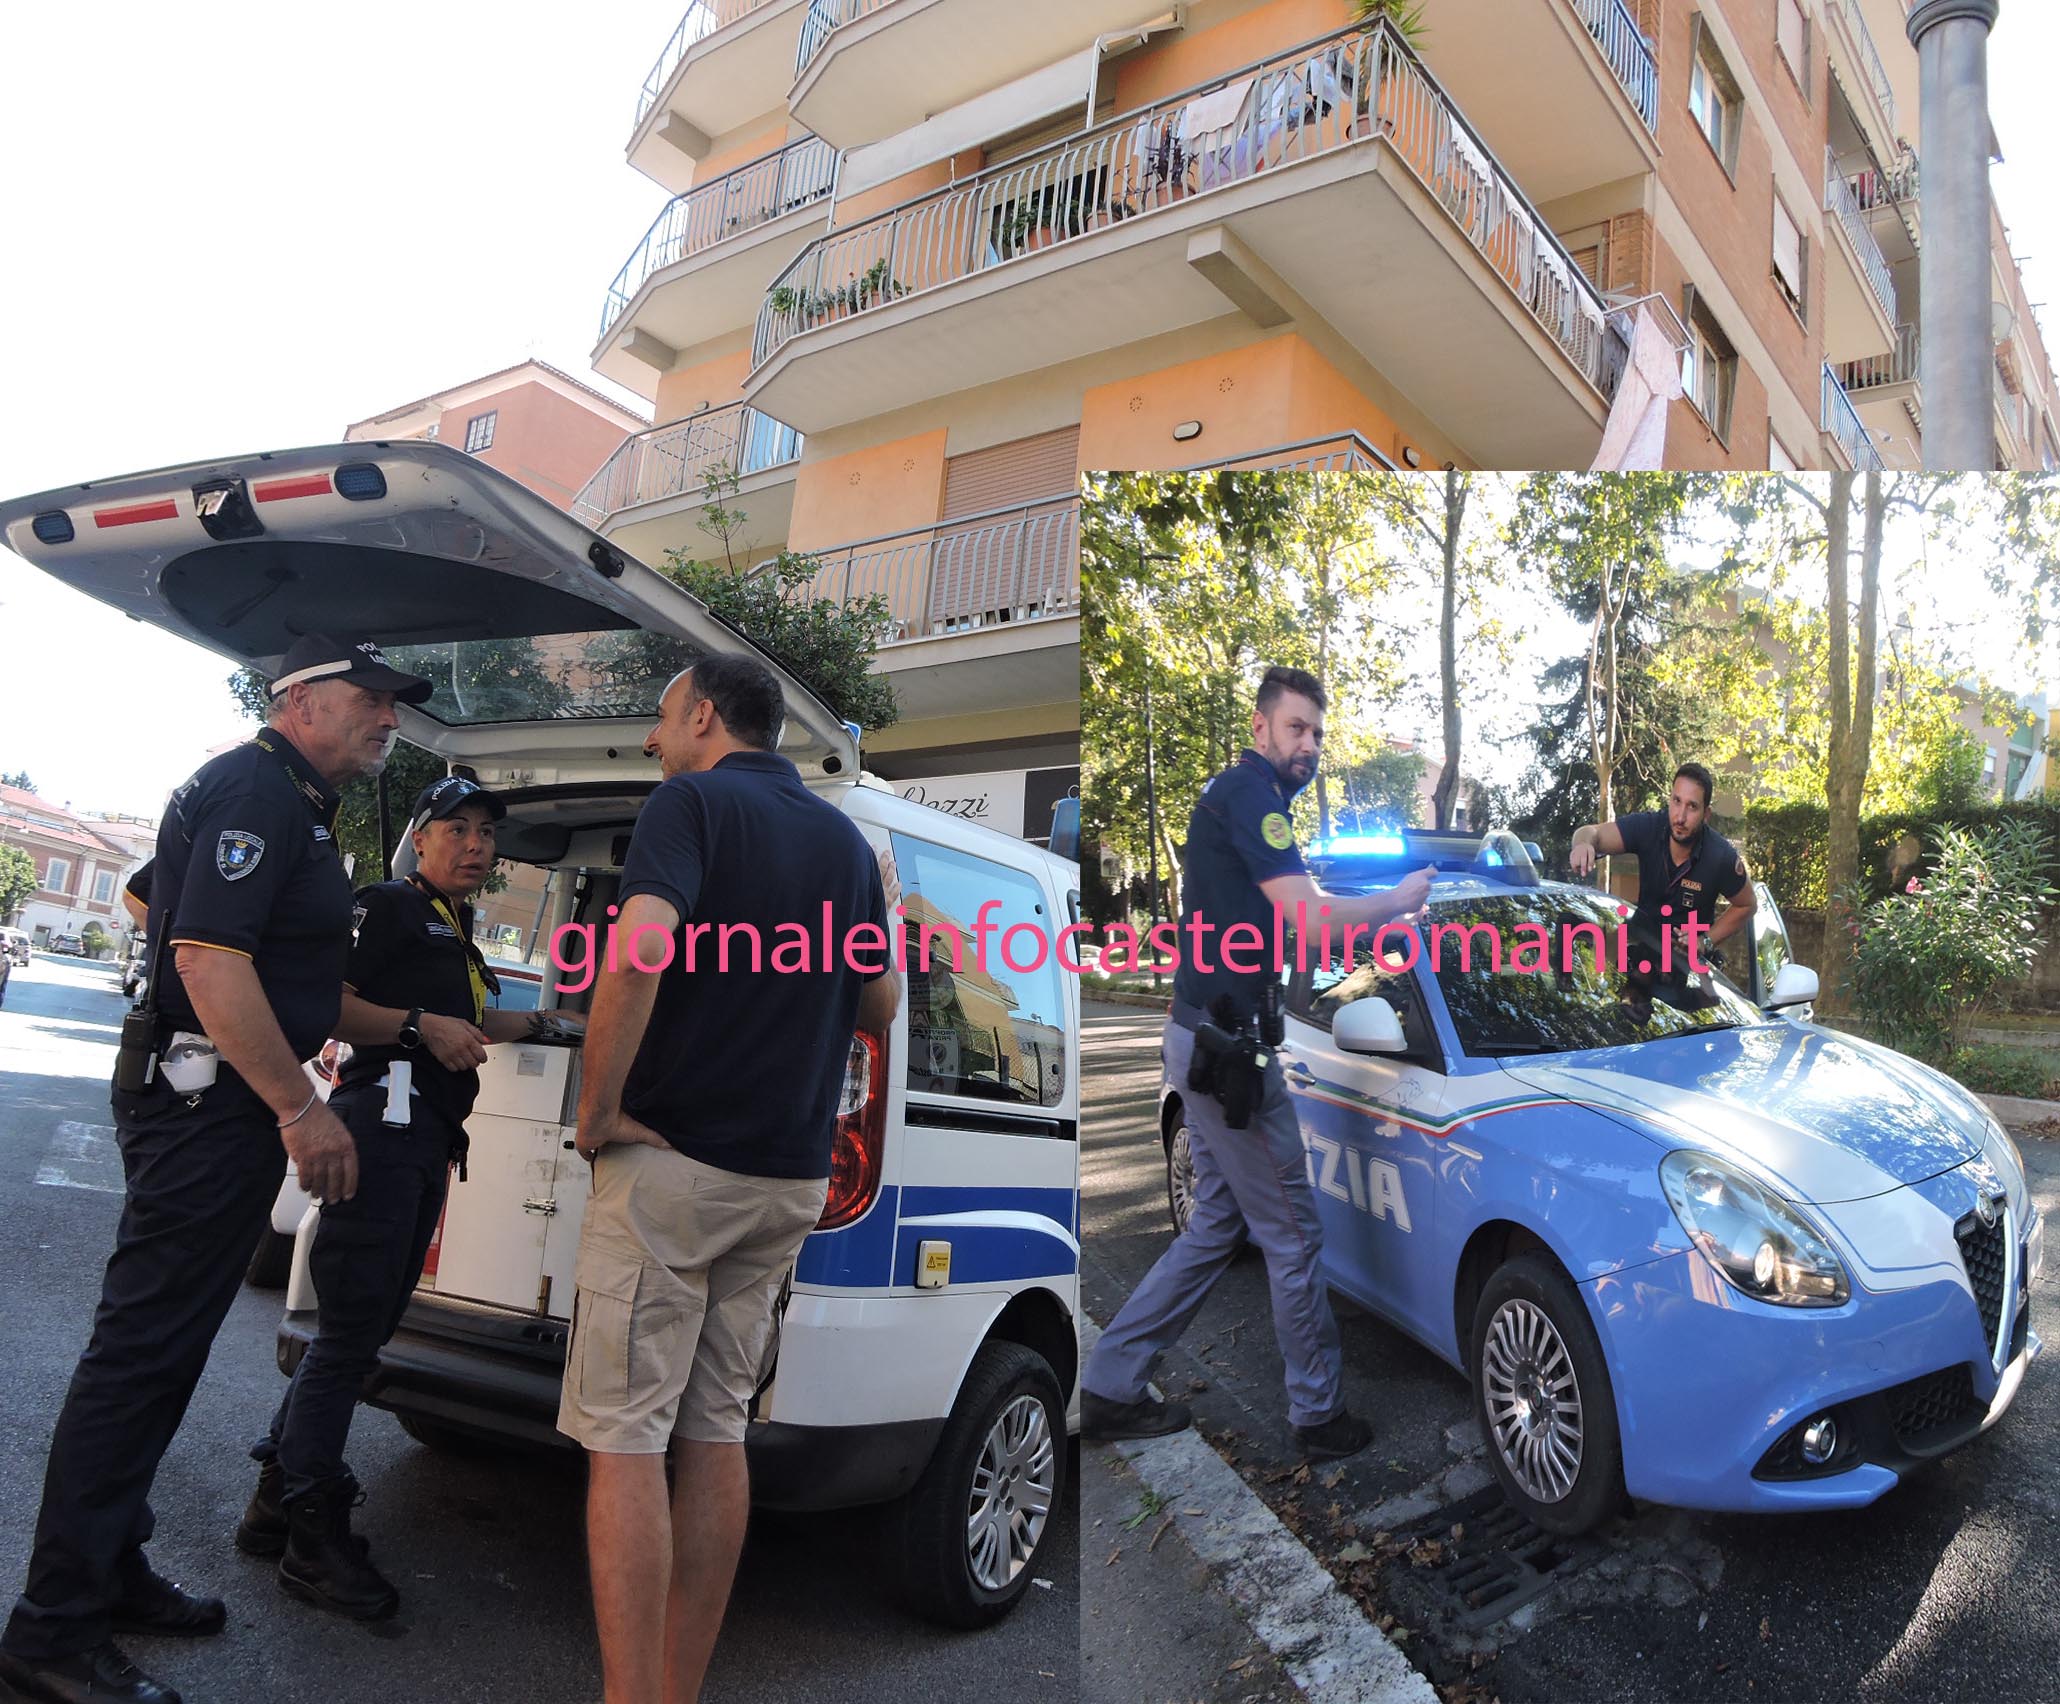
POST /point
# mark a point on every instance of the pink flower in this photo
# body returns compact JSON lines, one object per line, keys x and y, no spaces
{"x":1915,"y":886}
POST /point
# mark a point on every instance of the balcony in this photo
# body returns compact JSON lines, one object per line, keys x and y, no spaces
{"x":995,"y":575}
{"x":1860,"y":298}
{"x":1341,"y":452}
{"x":1566,"y":92}
{"x":868,"y":69}
{"x":724,"y":238}
{"x":1861,"y":71}
{"x":1848,"y":433}
{"x":1884,"y":390}
{"x":1889,"y":198}
{"x":730,"y":61}
{"x":648,"y":496}
{"x":1337,"y":178}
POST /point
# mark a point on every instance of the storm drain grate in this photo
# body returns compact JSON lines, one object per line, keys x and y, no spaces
{"x":1499,"y":1563}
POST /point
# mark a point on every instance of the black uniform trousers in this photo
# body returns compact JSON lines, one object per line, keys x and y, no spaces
{"x":201,"y":1181}
{"x":368,"y":1253}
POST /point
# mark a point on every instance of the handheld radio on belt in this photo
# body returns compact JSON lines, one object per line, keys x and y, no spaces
{"x":135,"y":1058}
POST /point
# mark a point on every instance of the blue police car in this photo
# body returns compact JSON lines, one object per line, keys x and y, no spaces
{"x":1682,"y":1242}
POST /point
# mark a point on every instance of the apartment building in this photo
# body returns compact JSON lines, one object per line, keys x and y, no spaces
{"x":79,"y":869}
{"x":537,"y":425}
{"x":924,"y":261}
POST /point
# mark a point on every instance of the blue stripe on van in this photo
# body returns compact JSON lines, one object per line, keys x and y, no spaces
{"x":987,"y":1254}
{"x":856,"y":1256}
{"x":1061,"y":1206}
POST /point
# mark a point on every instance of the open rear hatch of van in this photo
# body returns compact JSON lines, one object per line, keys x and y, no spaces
{"x":546,"y":645}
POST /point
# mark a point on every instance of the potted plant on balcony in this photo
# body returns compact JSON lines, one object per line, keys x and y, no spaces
{"x":1405,"y":16}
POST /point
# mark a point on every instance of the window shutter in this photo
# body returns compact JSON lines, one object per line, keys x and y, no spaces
{"x":1790,"y":34}
{"x":1019,"y":472}
{"x":1787,"y":250}
{"x":1007,"y":567}
{"x":1589,"y":260}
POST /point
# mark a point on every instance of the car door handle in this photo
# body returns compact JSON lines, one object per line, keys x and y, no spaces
{"x":1300,"y":1075}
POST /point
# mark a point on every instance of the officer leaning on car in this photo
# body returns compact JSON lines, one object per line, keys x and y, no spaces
{"x":415,"y":1013}
{"x":1683,"y":865}
{"x":1250,"y":1175}
{"x":249,"y":896}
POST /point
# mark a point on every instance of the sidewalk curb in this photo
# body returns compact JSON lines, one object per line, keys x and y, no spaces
{"x":1289,"y":1600}
{"x":2012,"y":1110}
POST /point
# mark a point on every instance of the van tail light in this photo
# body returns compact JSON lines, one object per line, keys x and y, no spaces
{"x":858,"y":1148}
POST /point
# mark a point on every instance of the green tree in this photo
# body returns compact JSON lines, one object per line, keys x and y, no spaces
{"x":20,"y":778}
{"x":95,"y":940}
{"x":1384,"y":789}
{"x":17,"y":882}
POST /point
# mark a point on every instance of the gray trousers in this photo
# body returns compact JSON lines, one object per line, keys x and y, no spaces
{"x":1248,"y":1183}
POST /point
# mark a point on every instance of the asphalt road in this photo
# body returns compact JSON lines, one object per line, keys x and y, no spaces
{"x":488,"y":1551}
{"x":1945,"y":1589}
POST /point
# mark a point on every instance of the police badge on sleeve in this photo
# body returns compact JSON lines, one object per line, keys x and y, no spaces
{"x":237,"y":854}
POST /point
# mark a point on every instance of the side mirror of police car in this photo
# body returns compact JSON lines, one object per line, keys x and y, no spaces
{"x":1368,"y":1026}
{"x":1795,"y":985}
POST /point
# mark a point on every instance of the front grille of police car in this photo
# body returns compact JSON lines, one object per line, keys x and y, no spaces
{"x":1926,"y":1410}
{"x":1983,"y":1251}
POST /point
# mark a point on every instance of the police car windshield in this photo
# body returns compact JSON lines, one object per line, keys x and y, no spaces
{"x":549,"y":677}
{"x":1521,"y":974}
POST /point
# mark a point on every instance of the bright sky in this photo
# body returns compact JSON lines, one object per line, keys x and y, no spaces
{"x":242,"y":226}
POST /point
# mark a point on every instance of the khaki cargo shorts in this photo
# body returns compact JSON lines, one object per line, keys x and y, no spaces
{"x":680,"y":1266}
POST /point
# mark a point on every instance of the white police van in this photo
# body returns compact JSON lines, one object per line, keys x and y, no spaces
{"x":928,"y":1352}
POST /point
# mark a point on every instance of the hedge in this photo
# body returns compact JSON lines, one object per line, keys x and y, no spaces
{"x":1786,"y":844}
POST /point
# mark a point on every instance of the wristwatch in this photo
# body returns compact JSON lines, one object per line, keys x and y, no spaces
{"x":411,"y":1028}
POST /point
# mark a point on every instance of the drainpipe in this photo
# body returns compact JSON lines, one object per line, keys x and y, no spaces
{"x":1956,"y":358}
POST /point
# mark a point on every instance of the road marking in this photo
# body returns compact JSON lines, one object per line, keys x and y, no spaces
{"x":83,"y":1156}
{"x":1290,"y":1601}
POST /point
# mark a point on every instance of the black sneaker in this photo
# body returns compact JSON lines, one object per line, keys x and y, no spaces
{"x":1343,"y":1434}
{"x":1105,"y":1421}
{"x":262,"y":1531}
{"x":327,"y":1565}
{"x":103,"y":1675}
{"x":150,"y":1603}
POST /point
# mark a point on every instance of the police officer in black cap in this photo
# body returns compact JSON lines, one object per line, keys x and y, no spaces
{"x":415,"y":1011}
{"x":1683,"y":866}
{"x":250,"y":919}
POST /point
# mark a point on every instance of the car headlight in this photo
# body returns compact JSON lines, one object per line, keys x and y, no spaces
{"x":2001,"y":1151}
{"x":1761,"y":1245}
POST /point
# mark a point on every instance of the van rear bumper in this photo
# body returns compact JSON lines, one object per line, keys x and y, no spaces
{"x":497,"y":1372}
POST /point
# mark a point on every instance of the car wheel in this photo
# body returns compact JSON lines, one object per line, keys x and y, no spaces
{"x":1180,"y":1173}
{"x":1543,"y":1397}
{"x":966,"y":1539}
{"x":272,"y":1263}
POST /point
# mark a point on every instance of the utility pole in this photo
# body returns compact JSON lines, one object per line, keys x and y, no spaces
{"x":1151,"y":771}
{"x":1956,"y":353}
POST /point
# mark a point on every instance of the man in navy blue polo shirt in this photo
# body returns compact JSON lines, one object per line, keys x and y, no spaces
{"x":1683,"y":865}
{"x":708,"y":1103}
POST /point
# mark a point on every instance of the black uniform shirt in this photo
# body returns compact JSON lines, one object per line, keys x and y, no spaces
{"x":1238,"y":837}
{"x":1714,"y":867}
{"x":406,"y":953}
{"x":738,"y":1069}
{"x":247,"y":862}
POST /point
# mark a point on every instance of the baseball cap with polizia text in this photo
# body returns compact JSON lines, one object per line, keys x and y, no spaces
{"x":316,"y":656}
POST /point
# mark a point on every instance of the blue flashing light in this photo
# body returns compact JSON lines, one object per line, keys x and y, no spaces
{"x":361,"y":482}
{"x":1383,"y":845}
{"x":55,"y":527}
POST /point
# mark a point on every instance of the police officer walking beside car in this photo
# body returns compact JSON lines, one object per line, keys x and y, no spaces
{"x":250,"y":922}
{"x":1250,"y":1174}
{"x":415,"y":1012}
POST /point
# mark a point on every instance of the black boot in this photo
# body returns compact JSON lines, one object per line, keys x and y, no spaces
{"x":262,"y":1531}
{"x":91,"y":1677}
{"x":150,"y":1603}
{"x":327,"y":1566}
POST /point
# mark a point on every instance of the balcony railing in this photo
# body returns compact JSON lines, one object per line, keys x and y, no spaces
{"x":674,"y":460}
{"x":702,"y":19}
{"x":823,"y":18}
{"x":1897,"y":367}
{"x":1842,"y":421}
{"x":1342,"y":89}
{"x":1629,"y":54}
{"x":1896,"y":186}
{"x":1007,"y":567}
{"x":754,"y":194}
{"x":1839,"y":199}
{"x":1341,"y":452}
{"x":1871,"y":66}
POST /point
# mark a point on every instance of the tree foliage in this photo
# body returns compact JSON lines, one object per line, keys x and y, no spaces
{"x":17,"y":881}
{"x":20,"y":779}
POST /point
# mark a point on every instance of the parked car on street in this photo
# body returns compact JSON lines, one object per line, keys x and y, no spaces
{"x":14,"y":944}
{"x":68,"y":943}
{"x":1682,"y":1243}
{"x":927,"y":1351}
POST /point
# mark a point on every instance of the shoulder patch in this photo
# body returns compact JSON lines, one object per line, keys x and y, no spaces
{"x":237,"y":853}
{"x":1276,"y":832}
{"x":1738,"y":863}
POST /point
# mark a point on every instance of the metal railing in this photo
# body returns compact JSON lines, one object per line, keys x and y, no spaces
{"x":821,"y":22}
{"x":671,"y":461}
{"x":1842,"y":421}
{"x":1348,"y":88}
{"x":1629,"y":54}
{"x":1896,"y":186}
{"x":1871,"y":66}
{"x":1897,"y":367}
{"x":1005,"y":567}
{"x":702,"y":19}
{"x":753,"y":194}
{"x":1339,"y":452}
{"x":1839,"y":199}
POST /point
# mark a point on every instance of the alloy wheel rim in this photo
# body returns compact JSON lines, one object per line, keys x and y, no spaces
{"x":1533,"y":1401}
{"x":1014,"y":1485}
{"x":1182,"y":1173}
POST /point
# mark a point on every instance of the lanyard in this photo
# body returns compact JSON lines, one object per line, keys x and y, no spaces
{"x":474,"y":969}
